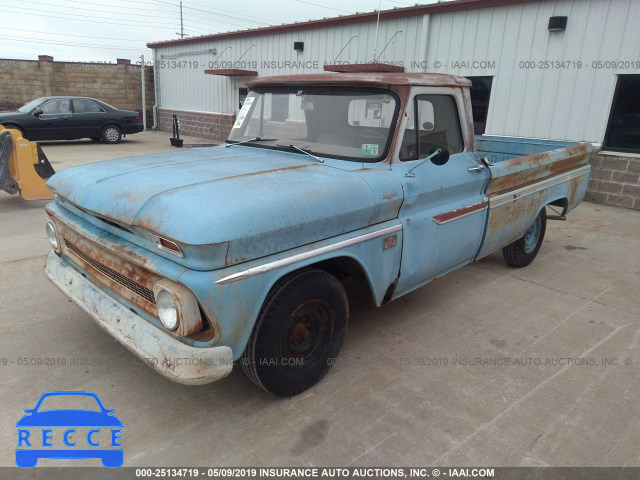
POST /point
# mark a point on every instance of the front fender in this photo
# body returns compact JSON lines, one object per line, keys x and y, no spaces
{"x":234,"y":304}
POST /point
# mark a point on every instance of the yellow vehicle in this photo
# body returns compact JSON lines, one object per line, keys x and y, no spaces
{"x":24,"y":168}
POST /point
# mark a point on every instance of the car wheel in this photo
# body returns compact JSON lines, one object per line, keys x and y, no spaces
{"x":522,"y":252}
{"x":111,"y":134}
{"x":298,"y":334}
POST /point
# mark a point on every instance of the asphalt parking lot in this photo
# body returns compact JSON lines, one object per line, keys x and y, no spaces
{"x":488,"y":366}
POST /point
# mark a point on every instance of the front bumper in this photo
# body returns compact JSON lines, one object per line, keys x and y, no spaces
{"x":178,"y":362}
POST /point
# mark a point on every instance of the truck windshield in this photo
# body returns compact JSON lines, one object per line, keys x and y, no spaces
{"x":346,"y":124}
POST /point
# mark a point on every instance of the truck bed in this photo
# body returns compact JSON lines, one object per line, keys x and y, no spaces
{"x":526,"y":175}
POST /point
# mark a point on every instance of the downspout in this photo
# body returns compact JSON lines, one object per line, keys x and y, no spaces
{"x":156,"y":90}
{"x":144,"y":93}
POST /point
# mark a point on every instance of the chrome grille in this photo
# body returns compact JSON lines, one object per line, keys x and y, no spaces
{"x":117,"y":277}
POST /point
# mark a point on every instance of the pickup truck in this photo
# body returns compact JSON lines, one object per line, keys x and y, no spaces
{"x":237,"y":254}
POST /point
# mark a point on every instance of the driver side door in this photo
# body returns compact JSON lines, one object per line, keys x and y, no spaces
{"x":54,"y":119}
{"x":444,"y":210}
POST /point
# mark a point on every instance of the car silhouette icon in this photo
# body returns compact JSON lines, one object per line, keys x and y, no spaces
{"x":85,"y":433}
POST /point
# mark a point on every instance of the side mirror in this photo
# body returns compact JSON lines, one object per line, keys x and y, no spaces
{"x":37,"y":113}
{"x":439,"y":155}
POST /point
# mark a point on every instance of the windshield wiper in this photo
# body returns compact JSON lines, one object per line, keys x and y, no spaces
{"x":306,"y":152}
{"x":254,"y":139}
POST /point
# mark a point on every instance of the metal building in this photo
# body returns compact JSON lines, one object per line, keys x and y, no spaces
{"x":552,"y":69}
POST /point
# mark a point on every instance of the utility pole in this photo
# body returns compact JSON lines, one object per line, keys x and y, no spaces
{"x":181,"y":34}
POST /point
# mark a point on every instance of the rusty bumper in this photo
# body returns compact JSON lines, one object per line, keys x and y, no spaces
{"x":178,"y":362}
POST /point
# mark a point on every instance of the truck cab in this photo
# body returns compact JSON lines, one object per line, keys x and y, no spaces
{"x":239,"y":252}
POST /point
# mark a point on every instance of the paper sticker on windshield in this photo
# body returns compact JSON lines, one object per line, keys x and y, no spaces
{"x":242,"y":114}
{"x":370,"y":149}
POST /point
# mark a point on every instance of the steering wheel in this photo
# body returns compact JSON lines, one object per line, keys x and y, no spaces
{"x":373,"y":133}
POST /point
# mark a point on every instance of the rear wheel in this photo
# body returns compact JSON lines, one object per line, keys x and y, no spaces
{"x":111,"y":134}
{"x":522,"y":252}
{"x":298,"y":334}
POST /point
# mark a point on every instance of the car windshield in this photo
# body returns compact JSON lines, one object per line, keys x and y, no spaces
{"x":69,"y":402}
{"x":354,"y":124}
{"x":27,"y":107}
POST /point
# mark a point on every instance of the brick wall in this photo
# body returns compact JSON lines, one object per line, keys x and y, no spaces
{"x":615,"y":180}
{"x":118,"y":84}
{"x":215,"y":126}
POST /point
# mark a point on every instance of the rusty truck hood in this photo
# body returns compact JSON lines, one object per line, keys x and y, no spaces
{"x":251,"y":201}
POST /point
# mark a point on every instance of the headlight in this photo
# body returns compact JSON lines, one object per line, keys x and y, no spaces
{"x":52,"y":235}
{"x":167,"y":309}
{"x":177,"y":307}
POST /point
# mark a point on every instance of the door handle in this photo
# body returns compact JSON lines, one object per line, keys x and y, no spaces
{"x":477,"y":168}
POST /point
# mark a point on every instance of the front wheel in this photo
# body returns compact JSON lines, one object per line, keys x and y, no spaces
{"x":522,"y":252}
{"x":298,"y":334}
{"x":111,"y":134}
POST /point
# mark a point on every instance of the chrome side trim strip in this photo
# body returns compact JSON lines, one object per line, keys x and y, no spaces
{"x":460,"y":216}
{"x":463,"y":212}
{"x":509,"y":197}
{"x":250,"y":272}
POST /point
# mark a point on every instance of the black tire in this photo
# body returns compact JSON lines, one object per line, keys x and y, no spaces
{"x":522,"y":252}
{"x":298,"y":333}
{"x":111,"y":134}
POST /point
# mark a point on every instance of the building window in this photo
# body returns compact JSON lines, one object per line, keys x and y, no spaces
{"x":623,"y":131}
{"x":480,"y":93}
{"x":242,"y":95}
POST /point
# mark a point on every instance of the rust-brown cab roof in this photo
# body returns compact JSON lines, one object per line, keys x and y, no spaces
{"x":384,"y":80}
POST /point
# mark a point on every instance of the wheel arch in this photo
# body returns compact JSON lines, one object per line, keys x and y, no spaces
{"x":234,"y":306}
{"x":14,"y":125}
{"x":562,"y":202}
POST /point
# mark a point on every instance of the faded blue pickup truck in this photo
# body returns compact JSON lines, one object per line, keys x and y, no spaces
{"x":207,"y":257}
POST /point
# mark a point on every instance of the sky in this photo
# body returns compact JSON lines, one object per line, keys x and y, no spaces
{"x":97,"y":31}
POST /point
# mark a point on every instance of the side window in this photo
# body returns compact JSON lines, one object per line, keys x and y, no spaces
{"x":57,"y":106}
{"x":82,"y":105}
{"x":437,"y":125}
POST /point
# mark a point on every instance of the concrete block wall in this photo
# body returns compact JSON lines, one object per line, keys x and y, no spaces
{"x":118,"y":84}
{"x":615,"y":180}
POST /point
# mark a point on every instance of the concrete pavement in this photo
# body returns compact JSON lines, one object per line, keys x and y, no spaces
{"x":487,"y":366}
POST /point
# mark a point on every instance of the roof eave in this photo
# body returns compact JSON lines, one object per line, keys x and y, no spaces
{"x":433,"y":8}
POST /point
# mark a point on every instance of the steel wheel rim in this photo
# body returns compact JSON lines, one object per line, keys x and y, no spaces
{"x":307,"y":335}
{"x":111,"y":134}
{"x":532,"y":236}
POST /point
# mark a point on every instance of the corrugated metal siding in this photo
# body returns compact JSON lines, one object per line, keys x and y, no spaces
{"x":556,"y":103}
